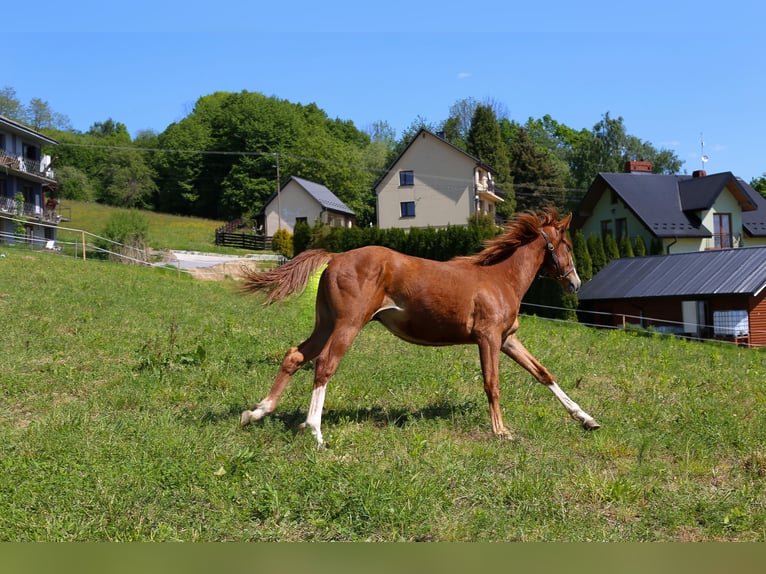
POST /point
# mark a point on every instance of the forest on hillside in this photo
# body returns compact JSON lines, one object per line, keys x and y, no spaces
{"x":227,"y":157}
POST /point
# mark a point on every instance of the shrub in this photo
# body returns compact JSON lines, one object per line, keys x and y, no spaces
{"x":301,"y":237}
{"x":129,"y":230}
{"x":282,"y":243}
{"x":639,"y":247}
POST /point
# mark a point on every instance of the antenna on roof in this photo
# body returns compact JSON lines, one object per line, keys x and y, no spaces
{"x":703,"y":157}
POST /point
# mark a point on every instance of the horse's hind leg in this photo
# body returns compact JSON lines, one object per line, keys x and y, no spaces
{"x":326,"y":364}
{"x":294,"y":359}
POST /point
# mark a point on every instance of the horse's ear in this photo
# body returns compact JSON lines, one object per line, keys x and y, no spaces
{"x":563,"y":224}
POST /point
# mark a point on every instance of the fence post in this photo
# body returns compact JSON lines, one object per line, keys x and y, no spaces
{"x":83,"y":246}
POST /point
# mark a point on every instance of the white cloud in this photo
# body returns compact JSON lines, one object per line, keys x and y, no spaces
{"x":463,"y":75}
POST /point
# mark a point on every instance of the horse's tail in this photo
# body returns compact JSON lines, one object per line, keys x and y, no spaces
{"x":285,"y":280}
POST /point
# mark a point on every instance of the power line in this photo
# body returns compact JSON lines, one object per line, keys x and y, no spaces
{"x":298,"y":158}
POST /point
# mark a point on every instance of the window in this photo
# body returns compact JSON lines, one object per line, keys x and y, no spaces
{"x":622,"y":228}
{"x":722,"y":230}
{"x":731,"y":323}
{"x":408,"y":208}
{"x":606,"y":228}
{"x":406,"y":178}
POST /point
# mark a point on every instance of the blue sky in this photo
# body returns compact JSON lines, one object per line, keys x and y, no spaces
{"x":677,"y":72}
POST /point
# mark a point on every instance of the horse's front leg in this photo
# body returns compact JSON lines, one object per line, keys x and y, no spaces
{"x":292,"y":361}
{"x":490,"y":357}
{"x":519,"y":353}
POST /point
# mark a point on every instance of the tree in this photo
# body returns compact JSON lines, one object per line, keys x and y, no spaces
{"x":611,"y":249}
{"x":458,"y":124}
{"x":301,"y":237}
{"x":115,"y":132}
{"x":127,"y":181}
{"x":233,"y":142}
{"x":40,"y":116}
{"x":74,"y":184}
{"x":582,"y":256}
{"x":759,"y":184}
{"x":537,"y":180}
{"x":485,"y":143}
{"x":597,"y":253}
{"x":639,"y":247}
{"x":608,"y":147}
{"x":10,"y":106}
{"x":626,"y":248}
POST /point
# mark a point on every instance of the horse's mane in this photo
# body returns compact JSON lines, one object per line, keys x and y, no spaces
{"x":523,"y":228}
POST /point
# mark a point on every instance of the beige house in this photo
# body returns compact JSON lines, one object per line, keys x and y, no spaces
{"x":300,"y":200}
{"x":685,"y":213}
{"x":434,"y":184}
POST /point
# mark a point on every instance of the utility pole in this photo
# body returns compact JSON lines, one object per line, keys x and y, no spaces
{"x":279,"y":206}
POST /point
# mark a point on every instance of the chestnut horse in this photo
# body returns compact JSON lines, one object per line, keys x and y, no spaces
{"x":472,"y":299}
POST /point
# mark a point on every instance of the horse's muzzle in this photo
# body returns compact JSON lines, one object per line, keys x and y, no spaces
{"x":573,"y":282}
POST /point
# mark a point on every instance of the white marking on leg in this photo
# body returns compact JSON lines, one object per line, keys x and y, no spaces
{"x":572,"y":407}
{"x":261,"y":410}
{"x":314,"y":417}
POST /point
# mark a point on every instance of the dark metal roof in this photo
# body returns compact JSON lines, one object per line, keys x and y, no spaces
{"x":698,"y":273}
{"x":324,"y":196}
{"x":668,"y":204}
{"x":754,"y":222}
{"x":655,"y":200}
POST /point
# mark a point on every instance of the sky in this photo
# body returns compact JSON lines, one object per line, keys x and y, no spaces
{"x":685,"y":76}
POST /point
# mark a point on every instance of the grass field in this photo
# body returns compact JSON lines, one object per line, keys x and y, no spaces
{"x":165,"y":231}
{"x":122,"y":386}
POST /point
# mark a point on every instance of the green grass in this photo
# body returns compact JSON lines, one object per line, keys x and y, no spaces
{"x":165,"y":231}
{"x":122,"y":386}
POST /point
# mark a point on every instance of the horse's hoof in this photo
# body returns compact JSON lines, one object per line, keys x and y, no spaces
{"x":590,"y":424}
{"x":245,"y":418}
{"x":505,"y":434}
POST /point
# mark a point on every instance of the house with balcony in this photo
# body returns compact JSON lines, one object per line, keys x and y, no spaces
{"x":433,"y":183}
{"x":683,"y":212}
{"x":27,"y":185}
{"x":709,"y":281}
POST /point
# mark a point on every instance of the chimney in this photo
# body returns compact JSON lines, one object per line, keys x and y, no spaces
{"x":699,"y":173}
{"x":634,"y":166}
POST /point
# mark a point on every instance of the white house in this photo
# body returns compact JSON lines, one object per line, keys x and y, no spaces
{"x":300,"y":200}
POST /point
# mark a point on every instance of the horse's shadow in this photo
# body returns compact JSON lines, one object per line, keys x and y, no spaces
{"x":377,"y":415}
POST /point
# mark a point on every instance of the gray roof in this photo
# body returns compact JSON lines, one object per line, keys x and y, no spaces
{"x":668,"y":204}
{"x":699,"y":273}
{"x":17,"y":128}
{"x":324,"y":196}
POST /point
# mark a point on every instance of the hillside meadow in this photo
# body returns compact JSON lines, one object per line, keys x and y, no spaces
{"x":166,"y":231}
{"x":122,"y":387}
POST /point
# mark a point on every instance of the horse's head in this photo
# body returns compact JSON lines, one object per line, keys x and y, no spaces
{"x":558,"y":263}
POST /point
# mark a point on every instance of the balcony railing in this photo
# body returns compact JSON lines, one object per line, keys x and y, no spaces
{"x":9,"y":206}
{"x":26,"y":165}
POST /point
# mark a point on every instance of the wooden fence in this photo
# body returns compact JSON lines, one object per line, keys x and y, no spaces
{"x":243,"y":240}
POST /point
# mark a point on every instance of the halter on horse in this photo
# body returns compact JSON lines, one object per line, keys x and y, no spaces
{"x":466,"y":300}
